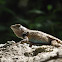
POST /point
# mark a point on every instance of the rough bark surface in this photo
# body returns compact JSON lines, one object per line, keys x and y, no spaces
{"x":11,"y":52}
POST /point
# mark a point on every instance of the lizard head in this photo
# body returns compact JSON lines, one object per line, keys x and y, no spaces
{"x":18,"y":29}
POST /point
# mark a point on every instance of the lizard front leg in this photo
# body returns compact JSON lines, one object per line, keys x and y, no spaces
{"x":25,"y":40}
{"x":55,"y":43}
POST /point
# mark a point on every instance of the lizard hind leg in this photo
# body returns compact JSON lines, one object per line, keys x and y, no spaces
{"x":55,"y":43}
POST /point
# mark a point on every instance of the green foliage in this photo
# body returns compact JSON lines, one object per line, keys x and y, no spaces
{"x":2,"y":2}
{"x":49,"y":7}
{"x":36,"y":11}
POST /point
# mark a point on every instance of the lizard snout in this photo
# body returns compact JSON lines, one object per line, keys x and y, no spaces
{"x":16,"y":26}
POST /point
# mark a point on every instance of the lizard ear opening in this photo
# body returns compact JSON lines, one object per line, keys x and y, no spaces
{"x":25,"y":34}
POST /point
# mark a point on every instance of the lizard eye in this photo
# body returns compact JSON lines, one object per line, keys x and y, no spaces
{"x":17,"y":25}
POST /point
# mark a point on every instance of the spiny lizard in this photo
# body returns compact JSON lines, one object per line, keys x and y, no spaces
{"x":34,"y":36}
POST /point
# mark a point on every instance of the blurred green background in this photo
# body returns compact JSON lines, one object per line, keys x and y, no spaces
{"x":43,"y":15}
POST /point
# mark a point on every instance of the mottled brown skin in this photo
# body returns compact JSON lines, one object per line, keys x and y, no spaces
{"x":35,"y":37}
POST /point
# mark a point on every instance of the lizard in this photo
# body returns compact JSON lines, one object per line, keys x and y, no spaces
{"x":34,"y":36}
